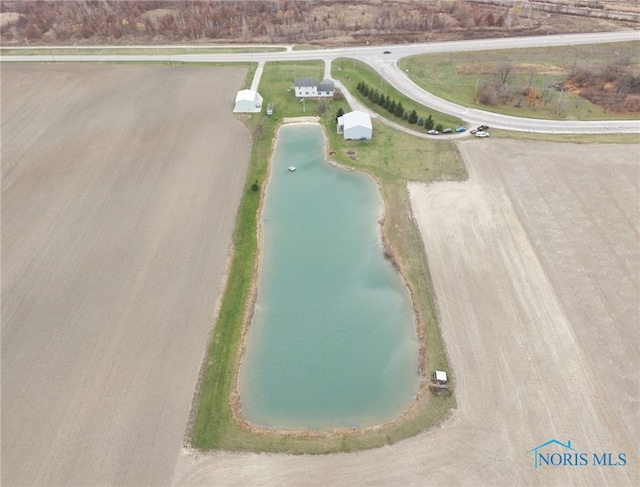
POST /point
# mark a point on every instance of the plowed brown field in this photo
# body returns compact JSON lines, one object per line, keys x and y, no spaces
{"x":120,"y":190}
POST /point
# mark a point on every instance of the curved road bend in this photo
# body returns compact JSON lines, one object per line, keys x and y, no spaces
{"x":386,"y":65}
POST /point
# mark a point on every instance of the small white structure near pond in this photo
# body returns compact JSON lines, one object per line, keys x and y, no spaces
{"x":355,"y":125}
{"x":248,"y":101}
{"x":440,"y":376}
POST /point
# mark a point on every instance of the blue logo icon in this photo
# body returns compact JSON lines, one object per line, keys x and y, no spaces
{"x":570,"y":457}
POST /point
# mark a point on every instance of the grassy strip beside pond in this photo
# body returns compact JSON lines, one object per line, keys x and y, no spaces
{"x":458,"y":77}
{"x":393,"y":158}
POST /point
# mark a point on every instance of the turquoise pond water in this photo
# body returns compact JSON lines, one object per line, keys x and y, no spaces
{"x":332,"y":342}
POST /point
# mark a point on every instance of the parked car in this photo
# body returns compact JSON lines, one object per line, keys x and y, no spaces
{"x":386,"y":52}
{"x":433,"y":132}
{"x":461,"y":129}
{"x":447,"y":131}
{"x":483,"y":128}
{"x":482,"y":134}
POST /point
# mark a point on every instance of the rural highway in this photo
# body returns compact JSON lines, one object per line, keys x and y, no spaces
{"x":386,"y":65}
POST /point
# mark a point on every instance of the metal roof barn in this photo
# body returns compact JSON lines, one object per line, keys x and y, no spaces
{"x":248,"y":101}
{"x":355,"y":125}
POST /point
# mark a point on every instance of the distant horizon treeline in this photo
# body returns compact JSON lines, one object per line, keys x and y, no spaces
{"x":258,"y":21}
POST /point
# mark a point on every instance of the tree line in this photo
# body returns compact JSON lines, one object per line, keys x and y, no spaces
{"x":258,"y":21}
{"x":396,"y":108}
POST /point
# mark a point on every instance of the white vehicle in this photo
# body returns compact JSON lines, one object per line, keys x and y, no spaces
{"x":433,"y":132}
{"x":482,"y":134}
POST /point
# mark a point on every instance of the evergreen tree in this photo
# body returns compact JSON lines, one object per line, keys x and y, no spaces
{"x":420,"y":122}
{"x":365,"y":90}
{"x":399,"y":109}
{"x":339,"y":114}
{"x":413,"y":117}
{"x":392,"y":107}
{"x":382,"y":100}
{"x":405,"y":115}
{"x":428,"y":123}
{"x":439,"y":127}
{"x":360,"y":86}
{"x":387,"y":102}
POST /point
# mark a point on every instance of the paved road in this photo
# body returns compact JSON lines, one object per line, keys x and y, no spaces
{"x":386,"y":65}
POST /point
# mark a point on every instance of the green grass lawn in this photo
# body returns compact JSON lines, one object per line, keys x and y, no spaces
{"x":350,"y":72}
{"x":571,"y":138}
{"x":307,"y":47}
{"x":392,"y":158}
{"x":458,"y":77}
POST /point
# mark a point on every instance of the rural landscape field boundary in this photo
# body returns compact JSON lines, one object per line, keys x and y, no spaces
{"x":396,"y":235}
{"x":401,"y":238}
{"x":397,"y":161}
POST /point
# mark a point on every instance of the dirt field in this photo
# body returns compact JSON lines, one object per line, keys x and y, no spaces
{"x":120,"y":190}
{"x":536,"y":265}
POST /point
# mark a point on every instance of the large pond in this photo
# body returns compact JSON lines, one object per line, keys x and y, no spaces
{"x":332,"y":342}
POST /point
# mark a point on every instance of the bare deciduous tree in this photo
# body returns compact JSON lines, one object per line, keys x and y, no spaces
{"x":532,"y":72}
{"x":321,"y":107}
{"x":503,"y":70}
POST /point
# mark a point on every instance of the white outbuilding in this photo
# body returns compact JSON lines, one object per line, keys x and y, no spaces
{"x":355,"y":125}
{"x":248,"y":101}
{"x":440,"y":376}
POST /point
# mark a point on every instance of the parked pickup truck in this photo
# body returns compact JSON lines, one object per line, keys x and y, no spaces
{"x":481,"y":128}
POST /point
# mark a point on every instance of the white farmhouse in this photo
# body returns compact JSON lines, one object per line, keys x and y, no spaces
{"x":355,"y":125}
{"x":248,"y":101}
{"x":309,"y":87}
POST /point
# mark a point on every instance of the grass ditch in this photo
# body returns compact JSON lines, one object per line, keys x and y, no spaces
{"x":138,"y":51}
{"x":392,"y":158}
{"x":350,"y":72}
{"x":568,"y":138}
{"x":458,"y":77}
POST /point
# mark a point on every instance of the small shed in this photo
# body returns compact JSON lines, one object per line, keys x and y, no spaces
{"x":440,"y":376}
{"x":248,"y":101}
{"x":355,"y":125}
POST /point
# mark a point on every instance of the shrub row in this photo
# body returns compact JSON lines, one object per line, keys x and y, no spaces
{"x":396,"y":108}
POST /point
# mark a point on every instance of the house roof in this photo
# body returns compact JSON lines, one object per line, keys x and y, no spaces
{"x":248,"y":95}
{"x":326,"y":85}
{"x":306,"y":82}
{"x":355,"y":119}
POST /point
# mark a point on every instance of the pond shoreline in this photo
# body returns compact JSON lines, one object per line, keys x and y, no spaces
{"x":389,"y":254}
